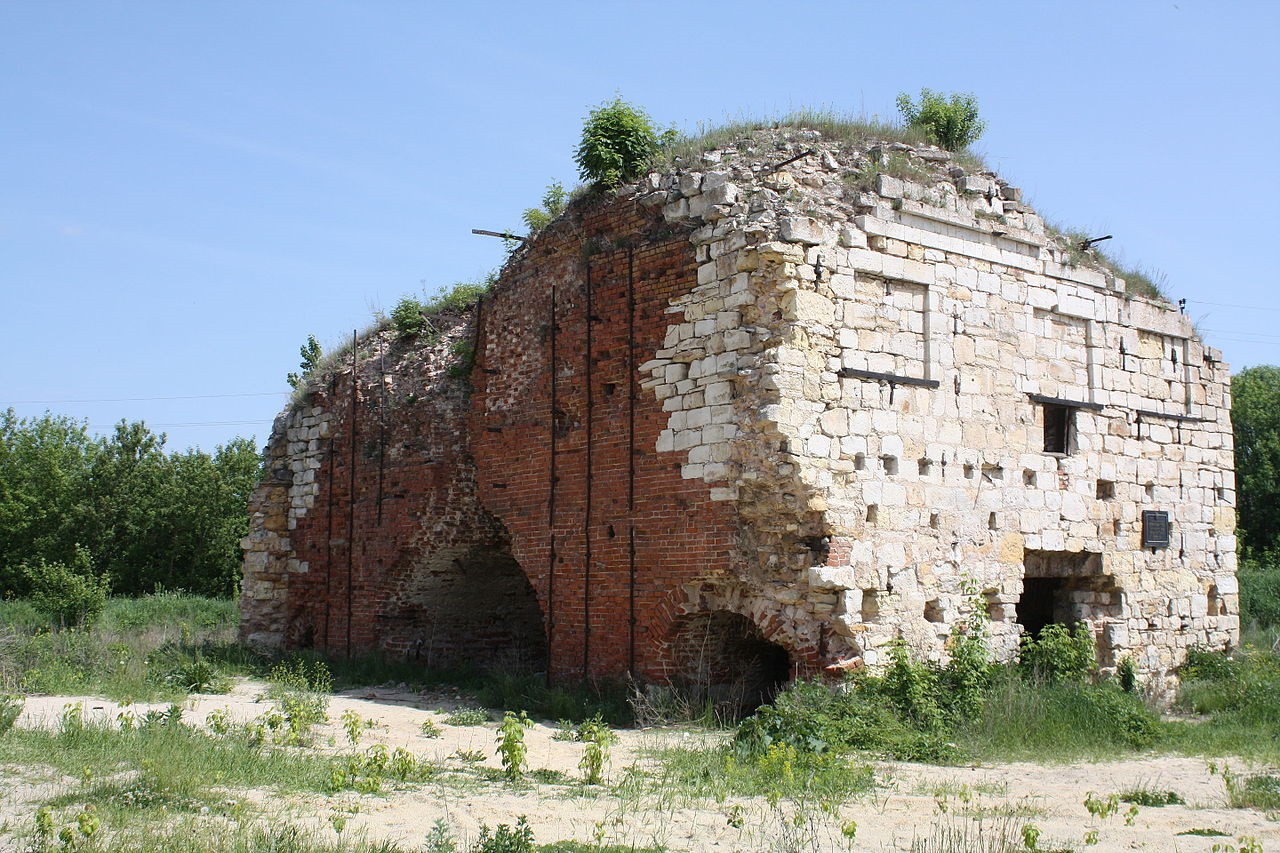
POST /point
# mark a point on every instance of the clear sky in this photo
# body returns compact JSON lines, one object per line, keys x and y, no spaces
{"x":187,"y":190}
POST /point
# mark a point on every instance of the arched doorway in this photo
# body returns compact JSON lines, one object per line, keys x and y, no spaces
{"x":722,"y":658}
{"x":475,"y":610}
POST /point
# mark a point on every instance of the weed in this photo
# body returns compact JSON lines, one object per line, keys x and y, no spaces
{"x":355,"y":726}
{"x":10,"y":710}
{"x":553,"y":202}
{"x":469,"y":756}
{"x":468,"y":717}
{"x":505,"y":838}
{"x":511,"y":745}
{"x":598,"y":737}
{"x":1151,"y":798}
{"x":430,"y":729}
{"x":311,"y":353}
{"x":1058,"y":653}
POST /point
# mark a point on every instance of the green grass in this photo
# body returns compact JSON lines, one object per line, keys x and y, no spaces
{"x":139,"y":649}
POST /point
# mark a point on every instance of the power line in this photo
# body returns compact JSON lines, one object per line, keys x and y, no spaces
{"x":1233,"y":305}
{"x":190,"y":424}
{"x":146,"y":399}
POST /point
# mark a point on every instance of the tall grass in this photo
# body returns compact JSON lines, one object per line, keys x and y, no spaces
{"x":832,"y":124}
{"x":129,"y":653}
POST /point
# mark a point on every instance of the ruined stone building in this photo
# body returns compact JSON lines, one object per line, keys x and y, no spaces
{"x":757,"y":416}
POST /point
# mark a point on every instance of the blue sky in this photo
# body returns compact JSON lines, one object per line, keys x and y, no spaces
{"x":187,"y":190}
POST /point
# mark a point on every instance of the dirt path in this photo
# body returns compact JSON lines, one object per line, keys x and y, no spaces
{"x":910,"y":801}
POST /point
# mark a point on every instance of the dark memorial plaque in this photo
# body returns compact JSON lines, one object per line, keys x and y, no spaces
{"x":1155,"y":528}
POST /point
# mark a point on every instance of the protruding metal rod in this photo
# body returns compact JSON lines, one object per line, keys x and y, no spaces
{"x":775,"y":167}
{"x":503,"y":234}
{"x":1088,"y":244}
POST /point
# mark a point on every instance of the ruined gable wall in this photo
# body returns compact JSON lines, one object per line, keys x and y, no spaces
{"x":935,"y":489}
{"x":367,"y":533}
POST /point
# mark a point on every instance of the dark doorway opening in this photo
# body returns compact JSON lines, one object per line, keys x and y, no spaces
{"x":723,"y":659}
{"x":473,"y":609}
{"x":1036,"y":606}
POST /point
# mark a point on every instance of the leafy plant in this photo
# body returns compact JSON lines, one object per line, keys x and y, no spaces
{"x":1058,"y":654}
{"x":311,"y":353}
{"x":10,"y":709}
{"x":553,"y":202}
{"x":468,"y":717}
{"x":408,"y":317}
{"x":69,"y":595}
{"x":598,"y":737}
{"x":618,"y":141}
{"x":429,"y":728}
{"x":952,"y":124}
{"x":505,"y":838}
{"x":511,"y":745}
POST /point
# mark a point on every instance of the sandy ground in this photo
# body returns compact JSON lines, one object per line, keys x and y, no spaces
{"x":909,"y":802}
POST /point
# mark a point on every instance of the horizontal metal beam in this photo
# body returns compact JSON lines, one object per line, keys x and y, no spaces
{"x":891,"y":378}
{"x":1058,"y":401}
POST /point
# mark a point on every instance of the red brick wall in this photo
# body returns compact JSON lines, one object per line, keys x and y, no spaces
{"x":402,"y":556}
{"x":573,"y":319}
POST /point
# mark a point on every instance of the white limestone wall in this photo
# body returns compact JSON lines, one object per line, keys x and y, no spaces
{"x":931,"y":490}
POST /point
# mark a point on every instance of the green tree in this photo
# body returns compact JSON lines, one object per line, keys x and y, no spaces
{"x":311,"y":353}
{"x":144,"y":517}
{"x":1255,"y":417}
{"x":953,"y":123}
{"x":42,"y":465}
{"x":618,"y":141}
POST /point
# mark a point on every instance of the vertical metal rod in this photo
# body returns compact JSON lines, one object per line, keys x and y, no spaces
{"x":586,"y":514}
{"x":328,"y":545}
{"x":351,"y":484}
{"x":631,"y":462}
{"x":551,"y":498}
{"x":382,"y":420}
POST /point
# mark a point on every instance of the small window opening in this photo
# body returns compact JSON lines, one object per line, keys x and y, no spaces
{"x":859,"y":461}
{"x":890,"y":464}
{"x":1106,"y":490}
{"x":610,"y":388}
{"x":1059,"y":421}
{"x":1150,"y":490}
{"x":925,"y":466}
{"x":992,"y":472}
{"x":933,"y":610}
{"x":968,"y":472}
{"x":1222,"y":494}
{"x":1029,"y":477}
{"x":1217,"y":607}
{"x":870,"y":605}
{"x":992,"y":522}
{"x":873,"y":513}
{"x":1117,"y":528}
{"x":933,"y":520}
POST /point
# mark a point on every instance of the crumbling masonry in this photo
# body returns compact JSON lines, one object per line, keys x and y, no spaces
{"x":743,"y":421}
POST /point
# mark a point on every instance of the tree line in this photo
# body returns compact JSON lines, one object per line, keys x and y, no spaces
{"x":120,"y":507}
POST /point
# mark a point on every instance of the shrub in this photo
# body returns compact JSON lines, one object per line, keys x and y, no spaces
{"x":618,"y":141}
{"x":1058,"y":654}
{"x":311,"y":354}
{"x":511,"y":745}
{"x":952,"y":124}
{"x":553,"y":200}
{"x":505,"y":839}
{"x":68,"y":595}
{"x":10,"y":708}
{"x":407,"y":316}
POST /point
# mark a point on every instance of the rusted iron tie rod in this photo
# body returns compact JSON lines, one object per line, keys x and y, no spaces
{"x":503,"y":234}
{"x":788,"y":162}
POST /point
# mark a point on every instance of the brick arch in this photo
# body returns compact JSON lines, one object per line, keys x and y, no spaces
{"x":683,"y":606}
